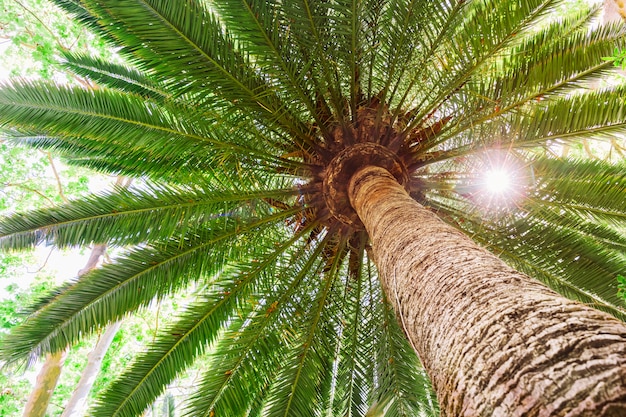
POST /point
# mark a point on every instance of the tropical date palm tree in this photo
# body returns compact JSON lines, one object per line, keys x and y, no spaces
{"x":311,"y":171}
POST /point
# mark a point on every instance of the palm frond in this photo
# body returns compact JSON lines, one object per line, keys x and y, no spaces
{"x":404,"y":389}
{"x":231,"y":297}
{"x":410,"y":33}
{"x":116,"y":76}
{"x":485,"y":31}
{"x":311,"y":32}
{"x":575,"y":117}
{"x":189,"y":47}
{"x":109,"y":117}
{"x":354,"y":373}
{"x":133,"y":281}
{"x":296,"y":388}
{"x":245,"y":362}
{"x":593,"y":190}
{"x":566,"y":249}
{"x":129,"y":216}
{"x":570,"y":263}
{"x":547,"y":63}
{"x":262,"y":30}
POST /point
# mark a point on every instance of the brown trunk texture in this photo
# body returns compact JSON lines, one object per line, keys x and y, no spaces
{"x":494,"y":341}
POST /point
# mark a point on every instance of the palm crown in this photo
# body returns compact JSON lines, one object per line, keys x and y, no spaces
{"x":231,"y":114}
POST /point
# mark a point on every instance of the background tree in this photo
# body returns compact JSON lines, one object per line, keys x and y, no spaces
{"x":233,"y":132}
{"x":28,"y":180}
{"x":33,"y":36}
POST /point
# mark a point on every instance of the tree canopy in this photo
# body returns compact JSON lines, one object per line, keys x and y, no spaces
{"x":231,"y":115}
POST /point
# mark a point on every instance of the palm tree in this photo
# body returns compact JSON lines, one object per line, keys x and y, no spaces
{"x":311,"y":172}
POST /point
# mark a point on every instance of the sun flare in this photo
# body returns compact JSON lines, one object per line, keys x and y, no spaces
{"x":498,"y":181}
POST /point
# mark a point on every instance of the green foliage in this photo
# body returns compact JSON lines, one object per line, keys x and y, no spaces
{"x":39,"y":34}
{"x":12,"y":307}
{"x":618,"y":58}
{"x":621,"y":286}
{"x":13,"y":391}
{"x":127,"y":342}
{"x":14,"y":386}
{"x":227,"y":117}
{"x":28,"y":182}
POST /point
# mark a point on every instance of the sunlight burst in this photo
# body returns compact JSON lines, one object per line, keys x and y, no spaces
{"x":498,"y":181}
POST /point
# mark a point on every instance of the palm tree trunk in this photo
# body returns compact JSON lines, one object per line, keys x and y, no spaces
{"x":78,"y":402}
{"x":47,"y":379}
{"x":494,"y":341}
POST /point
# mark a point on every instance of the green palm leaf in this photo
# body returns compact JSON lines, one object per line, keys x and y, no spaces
{"x":231,"y":292}
{"x":296,"y":388}
{"x":568,"y":233}
{"x":105,"y":295}
{"x":116,"y":76}
{"x":112,"y":118}
{"x":245,"y":365}
{"x":120,"y":213}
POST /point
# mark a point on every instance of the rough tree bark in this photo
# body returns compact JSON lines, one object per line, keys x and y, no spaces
{"x":48,"y":376}
{"x":494,"y":341}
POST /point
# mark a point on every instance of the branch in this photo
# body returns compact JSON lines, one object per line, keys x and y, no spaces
{"x":58,"y":42}
{"x":588,"y":150}
{"x":58,"y":179}
{"x":619,"y":149}
{"x":96,"y":253}
{"x":45,"y":262}
{"x":29,"y":189}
